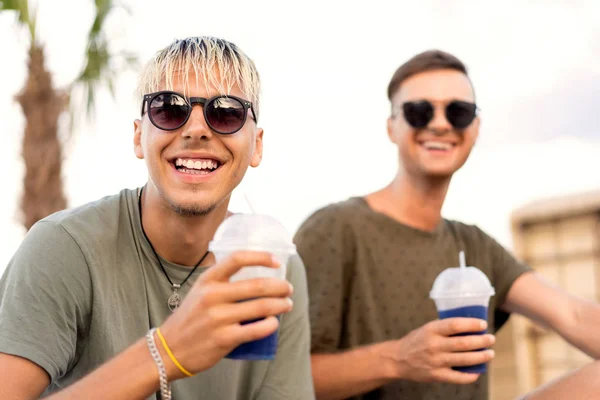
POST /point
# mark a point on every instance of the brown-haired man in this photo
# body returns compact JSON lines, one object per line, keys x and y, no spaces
{"x":371,"y":261}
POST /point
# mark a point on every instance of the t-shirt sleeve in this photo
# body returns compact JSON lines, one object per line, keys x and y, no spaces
{"x":327,"y":254}
{"x":289,"y":375}
{"x":45,"y":296}
{"x":505,"y":271}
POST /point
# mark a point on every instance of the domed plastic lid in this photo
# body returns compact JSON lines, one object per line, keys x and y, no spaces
{"x":252,"y":232}
{"x":461,"y":282}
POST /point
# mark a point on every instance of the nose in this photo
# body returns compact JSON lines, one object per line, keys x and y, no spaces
{"x":196,"y":126}
{"x":439,"y":125}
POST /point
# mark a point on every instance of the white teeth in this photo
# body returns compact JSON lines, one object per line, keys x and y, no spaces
{"x":196,"y":165}
{"x":437,"y":145}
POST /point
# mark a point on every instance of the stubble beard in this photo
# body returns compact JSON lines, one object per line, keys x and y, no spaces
{"x":193,"y":211}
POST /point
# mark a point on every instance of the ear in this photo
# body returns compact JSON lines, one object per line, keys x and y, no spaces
{"x":137,"y":139}
{"x":258,"y":149}
{"x":475,"y":128}
{"x":390,"y":129}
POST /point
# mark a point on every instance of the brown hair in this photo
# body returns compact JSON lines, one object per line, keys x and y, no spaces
{"x":427,"y":61}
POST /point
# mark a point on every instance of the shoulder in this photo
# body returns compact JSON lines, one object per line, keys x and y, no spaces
{"x":46,"y":240}
{"x":69,"y":234}
{"x":95,"y":222}
{"x":486,"y":248}
{"x":333,"y":216}
{"x":472,"y":234}
{"x":296,"y":275}
{"x":49,"y":264}
{"x":101,"y":211}
{"x":329,"y":235}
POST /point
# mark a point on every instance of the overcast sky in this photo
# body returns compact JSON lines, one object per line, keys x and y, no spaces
{"x":325,"y":66}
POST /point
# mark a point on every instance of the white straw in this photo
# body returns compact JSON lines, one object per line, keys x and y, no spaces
{"x":461,"y":259}
{"x":249,"y":204}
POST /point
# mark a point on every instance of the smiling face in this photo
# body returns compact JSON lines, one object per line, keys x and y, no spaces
{"x":437,"y":150}
{"x":193,"y":169}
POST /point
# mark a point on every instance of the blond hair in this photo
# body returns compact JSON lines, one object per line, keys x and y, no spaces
{"x":217,"y":62}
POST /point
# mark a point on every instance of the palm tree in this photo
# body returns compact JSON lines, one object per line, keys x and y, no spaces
{"x":43,"y":104}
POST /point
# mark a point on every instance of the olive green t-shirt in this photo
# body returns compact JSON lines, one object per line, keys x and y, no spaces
{"x":85,"y":284}
{"x":369,"y":278}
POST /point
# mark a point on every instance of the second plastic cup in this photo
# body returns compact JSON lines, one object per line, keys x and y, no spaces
{"x":463,"y":292}
{"x":260,"y":233}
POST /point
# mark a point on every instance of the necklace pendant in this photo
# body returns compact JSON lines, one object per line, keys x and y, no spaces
{"x":174,"y":299}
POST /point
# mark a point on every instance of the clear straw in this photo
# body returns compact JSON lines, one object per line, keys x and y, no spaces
{"x":461,"y":259}
{"x":249,"y":204}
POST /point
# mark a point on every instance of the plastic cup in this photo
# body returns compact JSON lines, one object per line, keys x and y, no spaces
{"x":463,"y":292}
{"x":260,"y":233}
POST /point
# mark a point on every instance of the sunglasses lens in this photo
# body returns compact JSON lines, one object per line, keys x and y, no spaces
{"x":418,"y":113}
{"x":460,"y":113}
{"x":168,"y":111}
{"x":225,"y":114}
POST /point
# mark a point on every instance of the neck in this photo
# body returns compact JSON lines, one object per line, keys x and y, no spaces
{"x":413,"y":201}
{"x":176,"y":238}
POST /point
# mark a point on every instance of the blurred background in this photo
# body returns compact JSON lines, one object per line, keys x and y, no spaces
{"x":532,"y":181}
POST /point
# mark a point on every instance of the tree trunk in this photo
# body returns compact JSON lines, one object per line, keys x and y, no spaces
{"x":42,"y":106}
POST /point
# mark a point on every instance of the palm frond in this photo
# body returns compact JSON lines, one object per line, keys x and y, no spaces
{"x":101,"y":66}
{"x":20,"y":6}
{"x":103,"y":8}
{"x":22,"y":9}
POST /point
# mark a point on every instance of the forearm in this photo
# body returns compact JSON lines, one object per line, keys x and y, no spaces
{"x":129,"y":376}
{"x":584,"y":331}
{"x":583,"y":384}
{"x":342,"y":375}
{"x":575,"y":319}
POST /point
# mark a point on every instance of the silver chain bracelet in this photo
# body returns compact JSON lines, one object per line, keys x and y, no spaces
{"x":165,"y":388}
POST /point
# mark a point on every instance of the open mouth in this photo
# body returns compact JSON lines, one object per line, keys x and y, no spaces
{"x":434,"y":145}
{"x":196,"y":166}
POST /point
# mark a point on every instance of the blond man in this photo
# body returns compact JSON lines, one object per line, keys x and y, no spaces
{"x":80,"y":299}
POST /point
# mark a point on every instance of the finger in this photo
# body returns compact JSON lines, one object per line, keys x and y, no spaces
{"x":254,"y":331}
{"x":223,"y":270}
{"x":468,"y":358}
{"x":253,"y":288}
{"x":453,"y":326}
{"x":251,"y":310}
{"x":451,"y":376}
{"x":467,"y":343}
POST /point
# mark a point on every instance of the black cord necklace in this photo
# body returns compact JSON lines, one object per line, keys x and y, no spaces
{"x":174,"y":299}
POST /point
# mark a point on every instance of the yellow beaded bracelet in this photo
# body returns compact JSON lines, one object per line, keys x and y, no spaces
{"x":170,"y":353}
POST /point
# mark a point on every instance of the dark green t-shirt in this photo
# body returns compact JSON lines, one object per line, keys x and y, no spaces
{"x":369,"y":278}
{"x":85,"y":284}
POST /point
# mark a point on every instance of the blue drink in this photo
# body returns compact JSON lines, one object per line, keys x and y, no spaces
{"x":468,"y":312}
{"x":262,"y":349}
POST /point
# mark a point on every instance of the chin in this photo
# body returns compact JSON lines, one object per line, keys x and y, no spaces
{"x":438,"y":173}
{"x":440,"y":170}
{"x":193,"y":209}
{"x":193,"y":205}
{"x":193,"y":201}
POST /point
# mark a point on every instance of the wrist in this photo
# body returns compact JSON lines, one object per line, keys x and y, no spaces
{"x":388,"y":359}
{"x":173,"y":373}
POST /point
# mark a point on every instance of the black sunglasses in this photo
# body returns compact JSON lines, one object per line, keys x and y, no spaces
{"x":170,"y":111}
{"x":419,"y":114}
